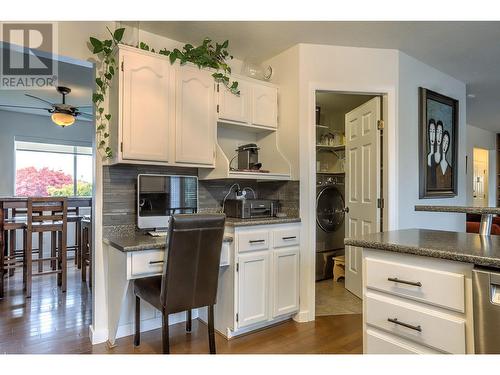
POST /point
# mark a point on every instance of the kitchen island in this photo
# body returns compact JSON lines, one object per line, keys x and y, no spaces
{"x":418,"y":289}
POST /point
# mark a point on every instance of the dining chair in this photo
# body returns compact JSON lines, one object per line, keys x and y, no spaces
{"x":86,"y":249}
{"x":46,"y":214}
{"x":190,"y":274}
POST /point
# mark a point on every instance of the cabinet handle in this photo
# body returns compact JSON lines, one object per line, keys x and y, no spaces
{"x":396,"y":280}
{"x":256,"y":241}
{"x":155,"y":261}
{"x":289,"y":238}
{"x":396,"y":321}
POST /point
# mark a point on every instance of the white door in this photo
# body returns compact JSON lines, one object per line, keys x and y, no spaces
{"x":362,"y":183}
{"x":195,"y":122}
{"x":253,"y":288}
{"x":264,"y":106}
{"x":285,"y":280}
{"x":145,"y":108}
{"x":233,"y":107}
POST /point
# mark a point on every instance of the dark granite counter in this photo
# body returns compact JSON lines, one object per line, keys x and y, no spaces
{"x":462,"y":247}
{"x":235,"y":222}
{"x":460,"y":209}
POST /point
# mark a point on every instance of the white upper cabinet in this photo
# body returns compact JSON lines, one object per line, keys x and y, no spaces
{"x":257,"y":104}
{"x":145,"y":107}
{"x":265,"y":106}
{"x":235,"y":108}
{"x":195,"y":123}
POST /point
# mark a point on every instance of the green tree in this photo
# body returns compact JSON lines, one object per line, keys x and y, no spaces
{"x":83,"y":189}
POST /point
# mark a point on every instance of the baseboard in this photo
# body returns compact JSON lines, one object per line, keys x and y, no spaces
{"x":97,"y":337}
{"x":303,"y":316}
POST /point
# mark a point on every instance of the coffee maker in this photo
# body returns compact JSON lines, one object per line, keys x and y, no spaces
{"x":248,"y":157}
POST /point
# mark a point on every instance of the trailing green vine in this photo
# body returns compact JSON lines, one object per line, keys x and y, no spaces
{"x":206,"y":55}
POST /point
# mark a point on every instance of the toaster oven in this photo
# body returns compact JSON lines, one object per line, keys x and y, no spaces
{"x":250,"y":208}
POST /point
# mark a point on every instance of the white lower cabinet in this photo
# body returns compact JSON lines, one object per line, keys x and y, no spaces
{"x":414,"y":304}
{"x":253,"y":288}
{"x":260,"y":286}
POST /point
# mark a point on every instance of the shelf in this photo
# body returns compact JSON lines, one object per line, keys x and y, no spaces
{"x":322,"y":127}
{"x":332,"y":148}
{"x":259,"y":176}
{"x":337,"y":173}
{"x":242,"y":125}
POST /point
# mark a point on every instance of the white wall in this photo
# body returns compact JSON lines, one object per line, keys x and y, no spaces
{"x":412,"y":75}
{"x":477,"y":137}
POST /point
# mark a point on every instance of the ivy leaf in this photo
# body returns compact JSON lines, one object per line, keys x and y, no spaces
{"x":98,"y":81}
{"x":112,"y":70}
{"x":225,"y":44}
{"x":101,"y":127}
{"x":118,"y":34}
{"x":101,"y":110}
{"x":108,"y":117}
{"x":108,"y":76}
{"x":172,"y":58}
{"x":96,"y":44}
{"x":108,"y":43}
{"x":106,"y":135}
{"x":102,"y":143}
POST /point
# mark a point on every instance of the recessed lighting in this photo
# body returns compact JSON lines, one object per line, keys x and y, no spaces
{"x":471,"y":96}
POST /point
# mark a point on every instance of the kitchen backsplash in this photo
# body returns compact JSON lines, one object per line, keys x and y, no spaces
{"x":119,"y":191}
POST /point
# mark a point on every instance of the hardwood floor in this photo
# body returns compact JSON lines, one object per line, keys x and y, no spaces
{"x":57,"y":323}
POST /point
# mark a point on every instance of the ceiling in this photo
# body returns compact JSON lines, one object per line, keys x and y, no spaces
{"x":79,"y":79}
{"x":468,"y":51}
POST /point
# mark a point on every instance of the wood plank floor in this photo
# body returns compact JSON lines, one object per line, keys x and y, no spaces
{"x":57,"y":323}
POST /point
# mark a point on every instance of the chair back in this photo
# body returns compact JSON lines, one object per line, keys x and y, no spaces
{"x":47,"y":214}
{"x":191,"y":274}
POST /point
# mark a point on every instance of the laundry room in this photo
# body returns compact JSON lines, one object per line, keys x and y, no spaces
{"x":335,"y":111}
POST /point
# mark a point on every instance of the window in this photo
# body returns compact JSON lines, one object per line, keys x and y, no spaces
{"x":44,"y":169}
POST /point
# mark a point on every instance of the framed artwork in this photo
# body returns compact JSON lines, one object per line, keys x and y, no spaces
{"x":438,"y":145}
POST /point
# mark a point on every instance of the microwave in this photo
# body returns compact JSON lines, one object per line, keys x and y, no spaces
{"x":250,"y":208}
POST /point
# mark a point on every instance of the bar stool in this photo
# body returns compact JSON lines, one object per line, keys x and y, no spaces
{"x":74,"y":216}
{"x":190,"y":277}
{"x":86,"y":249}
{"x":47,"y":215}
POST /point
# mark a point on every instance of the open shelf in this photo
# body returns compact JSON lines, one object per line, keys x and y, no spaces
{"x":332,"y":148}
{"x":332,"y":172}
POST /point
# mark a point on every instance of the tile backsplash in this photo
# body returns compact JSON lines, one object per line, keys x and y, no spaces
{"x":119,"y":191}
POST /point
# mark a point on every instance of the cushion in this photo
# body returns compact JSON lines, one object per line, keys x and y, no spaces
{"x":149,"y":289}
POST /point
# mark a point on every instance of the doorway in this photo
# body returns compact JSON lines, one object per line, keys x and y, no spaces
{"x":480,"y":177}
{"x":348,"y":188}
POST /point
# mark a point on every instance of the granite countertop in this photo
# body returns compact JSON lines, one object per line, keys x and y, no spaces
{"x":236,"y":222}
{"x":134,"y":240}
{"x":459,"y":209}
{"x":462,"y":247}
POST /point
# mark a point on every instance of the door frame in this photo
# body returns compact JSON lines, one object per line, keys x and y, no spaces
{"x":307,"y":147}
{"x":487,"y":183}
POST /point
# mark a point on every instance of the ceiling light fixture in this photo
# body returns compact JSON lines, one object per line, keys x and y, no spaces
{"x":63,"y":119}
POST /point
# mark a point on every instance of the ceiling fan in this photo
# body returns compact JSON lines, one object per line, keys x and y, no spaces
{"x":62,"y":114}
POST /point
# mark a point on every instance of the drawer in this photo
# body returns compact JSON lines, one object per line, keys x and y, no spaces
{"x":440,"y":288}
{"x":416,"y":323}
{"x":381,"y":343}
{"x":147,"y":263}
{"x":286,"y":237}
{"x":252,"y":241}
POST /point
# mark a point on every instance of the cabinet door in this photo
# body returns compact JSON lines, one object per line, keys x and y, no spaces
{"x":234,"y":107}
{"x":145,"y":108}
{"x":264,"y":106}
{"x":253,"y":287}
{"x":195,"y":123}
{"x":285,"y":280}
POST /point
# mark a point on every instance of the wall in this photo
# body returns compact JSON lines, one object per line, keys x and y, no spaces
{"x":412,"y":75}
{"x":477,"y":137}
{"x":36,"y":128}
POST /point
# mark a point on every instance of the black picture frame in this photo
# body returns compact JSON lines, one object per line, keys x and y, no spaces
{"x":432,"y":182}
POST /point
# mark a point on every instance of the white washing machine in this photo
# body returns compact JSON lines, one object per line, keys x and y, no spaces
{"x":330,"y":226}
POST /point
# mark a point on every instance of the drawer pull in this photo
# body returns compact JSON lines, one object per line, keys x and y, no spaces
{"x":256,"y":241}
{"x":396,"y":321}
{"x":289,"y":238}
{"x":155,"y":261}
{"x":396,"y":280}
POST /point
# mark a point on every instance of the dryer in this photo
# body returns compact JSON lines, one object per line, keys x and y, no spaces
{"x":330,"y":222}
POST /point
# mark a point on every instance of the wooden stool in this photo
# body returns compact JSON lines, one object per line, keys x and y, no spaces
{"x":46,"y":215}
{"x":86,"y":249}
{"x":75,"y":217}
{"x":338,"y":267}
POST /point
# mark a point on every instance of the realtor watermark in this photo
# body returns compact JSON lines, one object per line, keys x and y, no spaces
{"x":28,"y":57}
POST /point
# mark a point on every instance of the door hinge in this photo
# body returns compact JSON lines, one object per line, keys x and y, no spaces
{"x":121,"y":146}
{"x":217,"y":108}
{"x":122,"y":66}
{"x":237,"y":267}
{"x":380,"y":124}
{"x":237,"y":317}
{"x":380,"y":203}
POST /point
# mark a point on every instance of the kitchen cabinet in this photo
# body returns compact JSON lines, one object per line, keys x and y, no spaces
{"x":162,"y":114}
{"x":145,"y":109}
{"x":253,"y":288}
{"x":256,"y":106}
{"x":195,"y":125}
{"x":414,"y":304}
{"x":260,"y":287}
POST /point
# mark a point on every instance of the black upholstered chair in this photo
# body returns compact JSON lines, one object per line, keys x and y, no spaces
{"x":190,"y":273}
